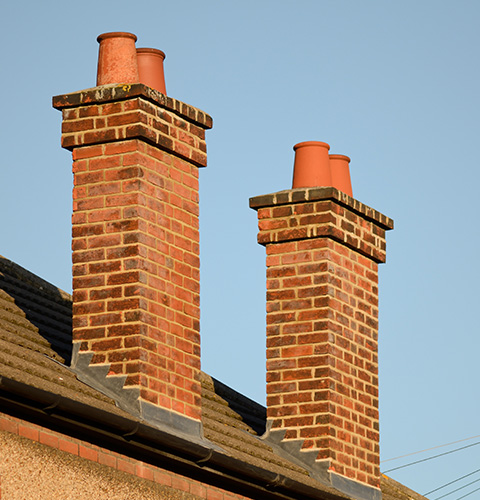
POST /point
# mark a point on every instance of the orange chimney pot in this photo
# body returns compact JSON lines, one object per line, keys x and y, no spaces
{"x":150,"y":68}
{"x":117,"y":58}
{"x":311,"y":166}
{"x":339,"y":168}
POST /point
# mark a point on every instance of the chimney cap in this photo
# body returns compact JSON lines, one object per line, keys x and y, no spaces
{"x":147,"y":50}
{"x":340,"y":157}
{"x":311,"y":143}
{"x":116,"y":34}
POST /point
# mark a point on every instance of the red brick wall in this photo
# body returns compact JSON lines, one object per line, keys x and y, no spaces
{"x":13,"y":481}
{"x":136,"y":279}
{"x":322,"y":327}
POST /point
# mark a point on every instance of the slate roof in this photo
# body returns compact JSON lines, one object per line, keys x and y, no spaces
{"x":35,"y":353}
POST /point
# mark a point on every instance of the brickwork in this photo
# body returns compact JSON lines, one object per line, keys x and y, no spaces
{"x":136,"y":279}
{"x":189,"y":488}
{"x":322,"y":324}
{"x":116,"y":112}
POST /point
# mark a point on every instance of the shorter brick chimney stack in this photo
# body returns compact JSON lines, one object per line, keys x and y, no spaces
{"x":323,"y":250}
{"x":136,"y":279}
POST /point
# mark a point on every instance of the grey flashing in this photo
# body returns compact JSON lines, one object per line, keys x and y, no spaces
{"x":222,"y":470}
{"x":291,"y":450}
{"x":128,"y":399}
{"x":354,"y":488}
{"x":96,"y":376}
{"x":168,"y":420}
{"x":318,"y":469}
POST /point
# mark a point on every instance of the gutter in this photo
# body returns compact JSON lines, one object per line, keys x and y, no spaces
{"x":196,"y":458}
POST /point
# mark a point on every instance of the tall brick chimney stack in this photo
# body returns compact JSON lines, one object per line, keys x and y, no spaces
{"x":323,"y":250}
{"x":136,"y":154}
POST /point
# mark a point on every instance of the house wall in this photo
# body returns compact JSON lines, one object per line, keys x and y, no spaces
{"x":38,"y":463}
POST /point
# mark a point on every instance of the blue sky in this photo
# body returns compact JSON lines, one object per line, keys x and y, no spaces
{"x":393,"y":85}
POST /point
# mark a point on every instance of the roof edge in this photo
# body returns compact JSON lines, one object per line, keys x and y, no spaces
{"x":136,"y":435}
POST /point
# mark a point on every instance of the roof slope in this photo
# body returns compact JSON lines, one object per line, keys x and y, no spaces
{"x":35,"y":352}
{"x":36,"y":336}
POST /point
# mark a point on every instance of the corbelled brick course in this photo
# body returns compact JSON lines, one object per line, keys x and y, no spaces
{"x":136,"y":279}
{"x":118,"y":112}
{"x":323,"y":250}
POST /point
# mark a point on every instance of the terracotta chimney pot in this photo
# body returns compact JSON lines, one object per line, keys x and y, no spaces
{"x":150,"y":68}
{"x":117,"y":58}
{"x":339,"y":167}
{"x":312,"y":166}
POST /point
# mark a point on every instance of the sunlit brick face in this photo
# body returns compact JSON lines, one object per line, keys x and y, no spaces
{"x":136,"y":280}
{"x":322,"y":325}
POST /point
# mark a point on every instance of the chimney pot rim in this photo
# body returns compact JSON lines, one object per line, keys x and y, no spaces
{"x":339,"y":157}
{"x":147,"y":50}
{"x":310,"y":144}
{"x":116,"y":34}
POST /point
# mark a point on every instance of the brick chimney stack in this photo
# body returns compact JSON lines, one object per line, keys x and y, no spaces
{"x":323,"y":250}
{"x":136,"y":155}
